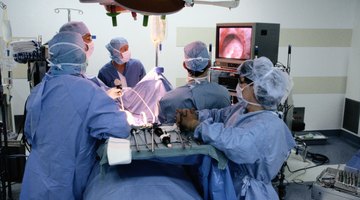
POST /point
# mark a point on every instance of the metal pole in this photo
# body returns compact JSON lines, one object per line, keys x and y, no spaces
{"x":69,"y":15}
{"x":156,"y":55}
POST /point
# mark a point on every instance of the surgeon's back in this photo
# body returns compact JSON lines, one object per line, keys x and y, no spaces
{"x":74,"y":114}
{"x":198,"y":93}
{"x":203,"y":95}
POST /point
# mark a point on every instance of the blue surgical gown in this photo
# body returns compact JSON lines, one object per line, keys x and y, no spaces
{"x":257,"y":143}
{"x":161,"y":178}
{"x":73,"y":115}
{"x":142,"y":179}
{"x":98,"y":82}
{"x":203,"y":95}
{"x":134,"y":71}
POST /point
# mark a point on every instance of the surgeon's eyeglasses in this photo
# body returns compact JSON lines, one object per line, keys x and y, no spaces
{"x":88,"y":37}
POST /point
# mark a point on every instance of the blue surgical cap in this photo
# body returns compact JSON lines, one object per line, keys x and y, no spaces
{"x":114,"y":46}
{"x":254,"y":69}
{"x":116,"y":43}
{"x":67,"y":47}
{"x":196,"y":56}
{"x":271,"y":85}
{"x":74,"y":26}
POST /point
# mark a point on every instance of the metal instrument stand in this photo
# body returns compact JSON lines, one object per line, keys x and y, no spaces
{"x":281,"y":176}
{"x":4,"y":166}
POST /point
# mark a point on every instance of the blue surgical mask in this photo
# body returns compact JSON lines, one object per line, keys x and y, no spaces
{"x":239,"y":91}
{"x":67,"y":68}
{"x":90,"y":49}
{"x":126,"y":56}
{"x":195,"y":80}
{"x":240,"y":97}
{"x":121,"y":58}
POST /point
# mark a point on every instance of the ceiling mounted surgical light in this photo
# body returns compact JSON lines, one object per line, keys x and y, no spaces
{"x":154,"y":7}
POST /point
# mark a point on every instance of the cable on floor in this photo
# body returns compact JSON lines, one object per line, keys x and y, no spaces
{"x":316,"y":158}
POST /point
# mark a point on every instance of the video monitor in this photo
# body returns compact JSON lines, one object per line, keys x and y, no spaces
{"x":234,"y":42}
{"x":237,"y":42}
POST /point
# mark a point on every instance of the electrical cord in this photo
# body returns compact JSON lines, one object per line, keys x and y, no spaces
{"x":315,"y":158}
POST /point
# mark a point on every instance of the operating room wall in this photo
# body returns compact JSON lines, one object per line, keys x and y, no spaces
{"x":353,"y":80}
{"x":319,"y":59}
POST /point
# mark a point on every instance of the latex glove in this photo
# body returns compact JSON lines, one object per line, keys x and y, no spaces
{"x":114,"y":93}
{"x":187,"y":119}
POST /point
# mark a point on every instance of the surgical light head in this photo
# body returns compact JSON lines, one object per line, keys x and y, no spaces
{"x":67,"y":54}
{"x":196,"y":56}
{"x":75,"y":26}
{"x":271,"y":85}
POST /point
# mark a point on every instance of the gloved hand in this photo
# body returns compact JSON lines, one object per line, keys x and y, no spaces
{"x":114,"y":93}
{"x":187,"y":119}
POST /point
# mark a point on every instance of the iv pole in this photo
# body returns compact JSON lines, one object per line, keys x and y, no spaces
{"x":281,"y":186}
{"x":2,"y":5}
{"x":3,"y":131}
{"x":57,"y":10}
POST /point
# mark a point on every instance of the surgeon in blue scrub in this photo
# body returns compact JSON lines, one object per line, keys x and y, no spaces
{"x":128,"y":70}
{"x":66,"y":116}
{"x":250,"y":133}
{"x":82,"y":29}
{"x":198,"y":93}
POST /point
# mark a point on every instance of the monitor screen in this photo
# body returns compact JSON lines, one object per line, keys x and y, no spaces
{"x":234,"y":42}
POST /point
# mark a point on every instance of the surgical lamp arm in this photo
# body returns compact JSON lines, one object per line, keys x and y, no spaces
{"x":226,"y":4}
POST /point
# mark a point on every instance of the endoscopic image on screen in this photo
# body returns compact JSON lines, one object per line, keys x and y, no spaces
{"x":235,"y":43}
